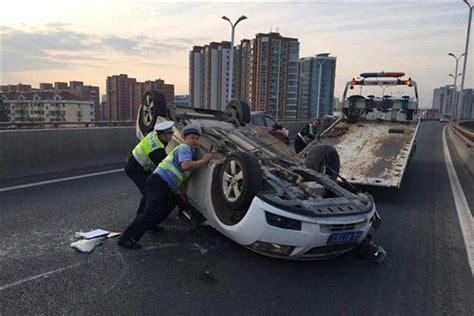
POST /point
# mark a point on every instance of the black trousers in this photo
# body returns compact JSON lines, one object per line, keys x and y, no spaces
{"x":299,"y":144}
{"x":160,"y":202}
{"x":136,"y":173}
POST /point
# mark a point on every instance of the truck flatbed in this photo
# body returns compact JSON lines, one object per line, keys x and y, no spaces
{"x":372,"y":153}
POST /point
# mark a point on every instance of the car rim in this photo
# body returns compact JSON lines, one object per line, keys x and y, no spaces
{"x":147,"y":110}
{"x":233,"y":181}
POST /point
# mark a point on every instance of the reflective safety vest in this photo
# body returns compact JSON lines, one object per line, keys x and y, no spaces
{"x":167,"y":164}
{"x":143,"y":149}
{"x":305,"y":138}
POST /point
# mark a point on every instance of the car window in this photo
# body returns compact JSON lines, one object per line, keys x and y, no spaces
{"x":269,"y":121}
{"x":258,"y":120}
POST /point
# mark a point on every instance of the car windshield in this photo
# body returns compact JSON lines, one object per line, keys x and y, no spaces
{"x":269,"y":121}
{"x":258,"y":120}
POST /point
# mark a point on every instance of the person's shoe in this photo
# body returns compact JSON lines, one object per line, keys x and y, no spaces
{"x":128,"y":242}
{"x":155,"y":228}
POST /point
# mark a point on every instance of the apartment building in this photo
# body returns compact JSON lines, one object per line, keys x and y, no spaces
{"x":443,"y":100}
{"x":209,"y":67}
{"x":120,"y":98}
{"x":125,"y":95}
{"x":142,"y":87}
{"x":77,"y":88}
{"x":45,"y":107}
{"x":316,"y":86}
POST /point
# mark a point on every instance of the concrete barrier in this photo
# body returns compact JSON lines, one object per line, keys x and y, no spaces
{"x":39,"y":151}
{"x":30,"y":152}
{"x":463,"y":147}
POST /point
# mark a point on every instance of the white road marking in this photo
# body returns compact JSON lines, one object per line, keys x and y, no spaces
{"x":28,"y":185}
{"x":464,"y":213}
{"x":42,"y":275}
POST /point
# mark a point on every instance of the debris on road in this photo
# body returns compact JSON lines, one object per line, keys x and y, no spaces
{"x":86,"y":245}
{"x":88,"y":240}
{"x":93,"y":234}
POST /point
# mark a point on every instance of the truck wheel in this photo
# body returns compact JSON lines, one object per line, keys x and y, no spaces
{"x":240,"y":110}
{"x":240,"y":180}
{"x":324,"y":159}
{"x":153,"y":105}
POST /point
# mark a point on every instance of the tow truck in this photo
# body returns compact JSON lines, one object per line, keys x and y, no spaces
{"x":375,"y":137}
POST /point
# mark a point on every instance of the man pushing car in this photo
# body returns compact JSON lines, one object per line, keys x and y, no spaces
{"x":163,"y":185}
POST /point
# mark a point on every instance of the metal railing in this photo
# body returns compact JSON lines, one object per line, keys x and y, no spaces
{"x":466,"y":133}
{"x":47,"y":125}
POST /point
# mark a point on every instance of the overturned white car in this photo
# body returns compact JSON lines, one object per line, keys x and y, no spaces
{"x":258,"y":192}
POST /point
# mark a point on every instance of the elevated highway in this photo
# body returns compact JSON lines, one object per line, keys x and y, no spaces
{"x":427,"y":270}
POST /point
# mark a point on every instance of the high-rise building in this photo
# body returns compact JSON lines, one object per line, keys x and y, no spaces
{"x":316,"y":86}
{"x":243,"y":70}
{"x":140,"y":88}
{"x":120,"y":97}
{"x":209,"y":75}
{"x":443,"y":100}
{"x":268,"y":74}
{"x":125,"y":95}
{"x":467,"y":104}
{"x":265,"y":75}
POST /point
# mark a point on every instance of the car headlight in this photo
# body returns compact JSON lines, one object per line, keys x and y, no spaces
{"x":282,"y":250}
{"x":282,"y":222}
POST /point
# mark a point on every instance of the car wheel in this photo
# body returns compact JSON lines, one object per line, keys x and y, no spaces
{"x":240,"y":110}
{"x":240,"y":180}
{"x":153,"y":105}
{"x":324,"y":159}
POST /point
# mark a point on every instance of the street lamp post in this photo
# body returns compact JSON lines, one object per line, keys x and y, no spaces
{"x":231,"y":66}
{"x":454,"y":103}
{"x":459,"y":106}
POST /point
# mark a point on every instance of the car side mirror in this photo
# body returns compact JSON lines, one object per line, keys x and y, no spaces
{"x":277,"y":126}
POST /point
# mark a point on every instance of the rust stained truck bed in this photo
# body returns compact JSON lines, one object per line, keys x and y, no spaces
{"x":372,"y":152}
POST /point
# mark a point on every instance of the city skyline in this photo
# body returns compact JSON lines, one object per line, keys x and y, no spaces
{"x":55,"y":41}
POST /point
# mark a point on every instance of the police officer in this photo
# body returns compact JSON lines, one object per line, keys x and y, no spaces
{"x":146,"y":155}
{"x":306,"y":135}
{"x":162,"y":186}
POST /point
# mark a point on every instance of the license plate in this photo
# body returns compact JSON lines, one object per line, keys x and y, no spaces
{"x":344,"y":238}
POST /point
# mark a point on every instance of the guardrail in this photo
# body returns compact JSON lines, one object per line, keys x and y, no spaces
{"x":466,"y":133}
{"x":43,"y":125}
{"x":468,"y":124}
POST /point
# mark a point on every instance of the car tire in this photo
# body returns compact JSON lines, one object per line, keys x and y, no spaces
{"x":153,"y":105}
{"x":240,"y":179}
{"x":324,"y":159}
{"x":240,"y":110}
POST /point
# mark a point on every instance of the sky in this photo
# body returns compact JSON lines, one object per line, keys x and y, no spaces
{"x":50,"y":40}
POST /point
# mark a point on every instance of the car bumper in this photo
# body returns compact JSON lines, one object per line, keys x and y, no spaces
{"x":315,"y":237}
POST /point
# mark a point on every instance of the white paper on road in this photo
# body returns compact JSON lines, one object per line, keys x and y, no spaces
{"x":93,"y":233}
{"x":86,"y":245}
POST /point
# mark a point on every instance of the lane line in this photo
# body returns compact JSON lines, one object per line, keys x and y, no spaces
{"x":462,"y":208}
{"x":34,"y":184}
{"x":42,"y":275}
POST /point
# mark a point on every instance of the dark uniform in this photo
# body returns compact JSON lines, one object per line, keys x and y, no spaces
{"x":146,"y":155}
{"x":161,"y":193}
{"x":305,"y":136}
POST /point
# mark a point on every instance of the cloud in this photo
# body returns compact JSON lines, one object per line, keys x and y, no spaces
{"x":54,"y":47}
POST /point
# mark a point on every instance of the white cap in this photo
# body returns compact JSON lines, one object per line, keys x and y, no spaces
{"x":164,"y":126}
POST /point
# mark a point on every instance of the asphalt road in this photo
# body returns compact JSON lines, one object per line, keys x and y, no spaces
{"x":426,"y":271}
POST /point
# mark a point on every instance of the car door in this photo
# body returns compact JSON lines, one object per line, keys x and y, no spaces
{"x":270,"y":123}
